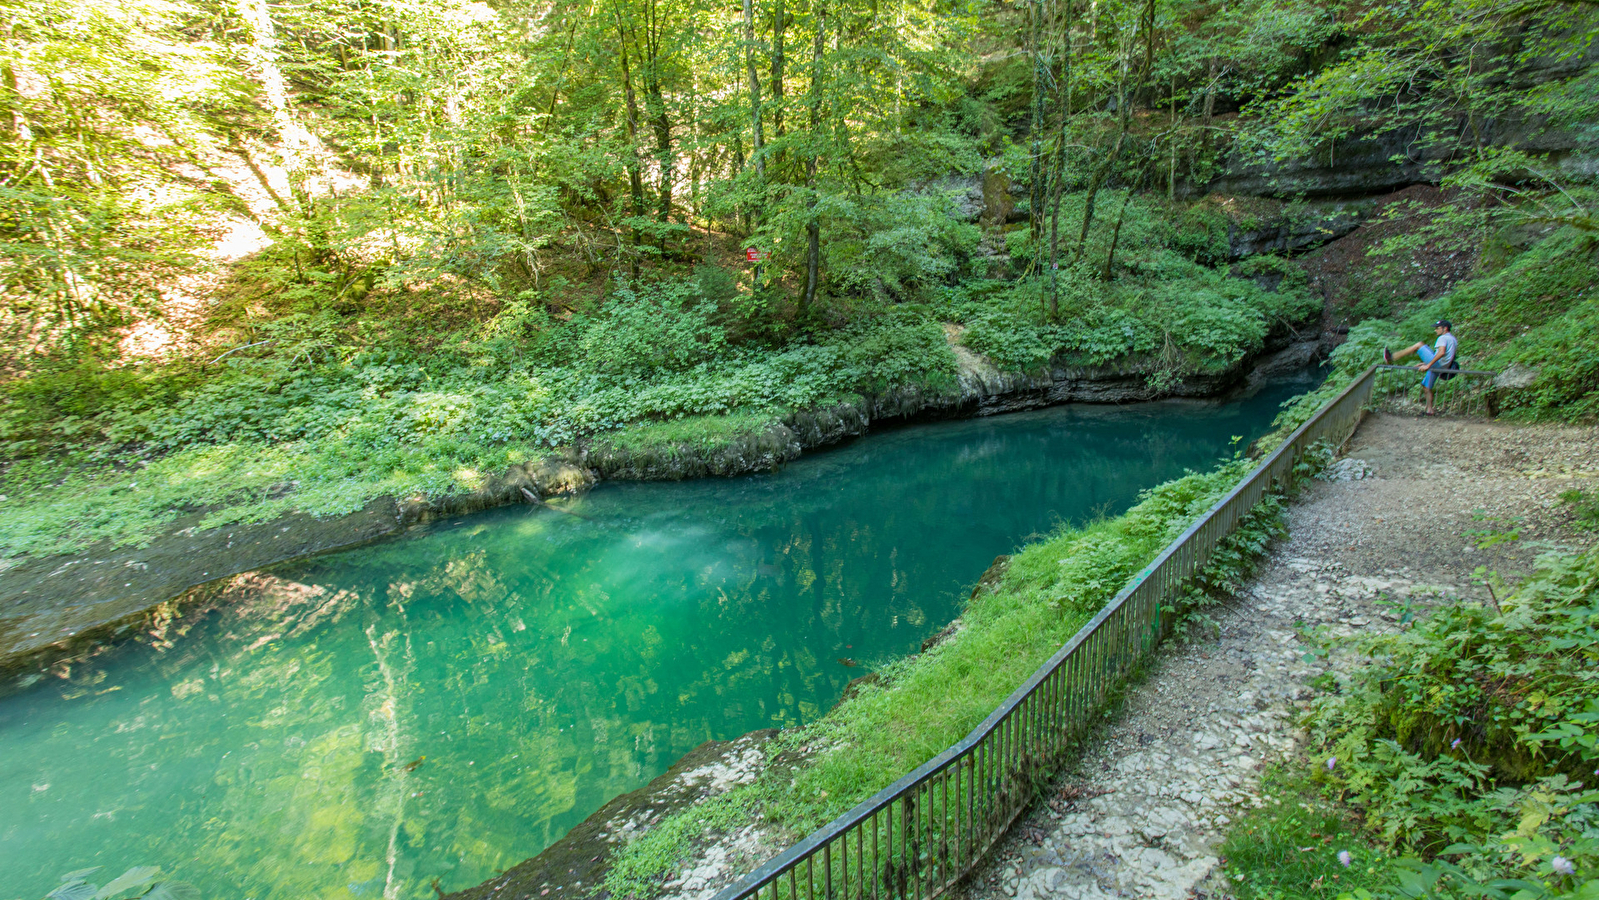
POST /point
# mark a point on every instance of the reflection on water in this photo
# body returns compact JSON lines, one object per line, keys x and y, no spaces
{"x":444,"y":706}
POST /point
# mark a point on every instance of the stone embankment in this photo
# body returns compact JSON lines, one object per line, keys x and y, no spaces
{"x":1142,"y":812}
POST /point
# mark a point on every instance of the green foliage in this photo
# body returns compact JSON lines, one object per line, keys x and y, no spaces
{"x":1396,"y":76}
{"x":1289,"y":846}
{"x":641,"y":331}
{"x":1470,"y":737}
{"x":1498,"y":680}
{"x":101,"y":103}
{"x":887,"y":356}
{"x":1169,"y":306}
{"x":1200,"y":233}
{"x":1585,"y":505}
{"x":896,"y":246}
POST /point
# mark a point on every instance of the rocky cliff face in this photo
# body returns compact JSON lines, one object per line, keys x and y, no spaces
{"x":1371,"y":162}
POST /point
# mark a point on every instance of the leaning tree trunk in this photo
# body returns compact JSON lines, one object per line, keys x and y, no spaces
{"x":294,"y":141}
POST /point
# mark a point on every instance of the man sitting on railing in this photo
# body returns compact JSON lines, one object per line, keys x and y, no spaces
{"x":1438,"y":361}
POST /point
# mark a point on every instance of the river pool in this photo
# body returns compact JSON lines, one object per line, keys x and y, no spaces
{"x":445,"y":705}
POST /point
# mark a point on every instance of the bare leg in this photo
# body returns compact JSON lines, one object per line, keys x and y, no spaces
{"x":1427,"y":392}
{"x":1400,"y":354}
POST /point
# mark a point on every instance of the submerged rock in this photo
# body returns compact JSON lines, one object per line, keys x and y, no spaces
{"x":576,"y":865}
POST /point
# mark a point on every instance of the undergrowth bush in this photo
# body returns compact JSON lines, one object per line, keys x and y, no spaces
{"x":309,"y":423}
{"x":1171,"y":302}
{"x":1471,"y":741}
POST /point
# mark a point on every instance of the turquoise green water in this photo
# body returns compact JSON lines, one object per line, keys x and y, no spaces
{"x":446,"y":705}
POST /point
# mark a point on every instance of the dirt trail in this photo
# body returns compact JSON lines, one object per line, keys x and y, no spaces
{"x":1141,"y":813}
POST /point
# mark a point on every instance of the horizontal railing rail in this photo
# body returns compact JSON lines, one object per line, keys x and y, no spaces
{"x":916,"y":838}
{"x":1480,"y":372}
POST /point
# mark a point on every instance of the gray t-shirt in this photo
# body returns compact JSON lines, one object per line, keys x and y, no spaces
{"x":1446,"y":347}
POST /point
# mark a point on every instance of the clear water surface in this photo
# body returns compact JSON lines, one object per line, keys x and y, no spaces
{"x":446,"y":705}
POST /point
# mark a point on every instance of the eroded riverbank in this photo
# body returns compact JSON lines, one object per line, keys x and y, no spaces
{"x":58,"y":608}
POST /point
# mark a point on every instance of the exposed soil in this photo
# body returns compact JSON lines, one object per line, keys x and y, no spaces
{"x":1143,"y":811}
{"x":1342,"y":271}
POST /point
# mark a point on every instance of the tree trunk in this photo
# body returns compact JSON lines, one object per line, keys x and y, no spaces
{"x":1171,"y":173}
{"x":813,"y":228}
{"x":15,"y":122}
{"x":1035,"y":187}
{"x":294,"y":141}
{"x":1148,"y":25}
{"x":566,"y":60}
{"x":1060,"y":162}
{"x":1116,"y":233}
{"x":1102,"y":171}
{"x":635,"y":177}
{"x":1095,"y":182}
{"x":779,"y":31}
{"x":659,"y":118}
{"x":758,"y":139}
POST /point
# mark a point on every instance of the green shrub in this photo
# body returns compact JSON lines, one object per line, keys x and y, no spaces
{"x":1200,"y":234}
{"x":1585,"y":504}
{"x":1471,"y":735}
{"x":642,"y":330}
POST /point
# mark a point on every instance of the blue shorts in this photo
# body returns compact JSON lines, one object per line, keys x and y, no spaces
{"x":1426,"y":354}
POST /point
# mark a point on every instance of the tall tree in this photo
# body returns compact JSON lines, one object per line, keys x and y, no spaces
{"x":757,"y":137}
{"x":813,"y":227}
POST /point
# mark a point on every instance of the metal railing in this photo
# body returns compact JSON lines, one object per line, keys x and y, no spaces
{"x":917,"y":837}
{"x":1484,"y":373}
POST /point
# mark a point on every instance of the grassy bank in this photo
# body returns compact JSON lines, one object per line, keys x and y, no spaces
{"x":1047,"y":592}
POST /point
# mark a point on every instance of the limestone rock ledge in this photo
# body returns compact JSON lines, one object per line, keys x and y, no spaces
{"x":51,"y":608}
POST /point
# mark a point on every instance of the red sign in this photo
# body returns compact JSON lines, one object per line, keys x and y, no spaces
{"x":754,"y":255}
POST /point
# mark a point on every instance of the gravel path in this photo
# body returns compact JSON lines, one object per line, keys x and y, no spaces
{"x":1141,"y":813}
